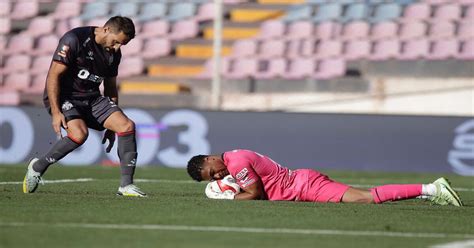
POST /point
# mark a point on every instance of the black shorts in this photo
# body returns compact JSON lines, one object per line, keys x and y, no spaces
{"x":93,"y":111}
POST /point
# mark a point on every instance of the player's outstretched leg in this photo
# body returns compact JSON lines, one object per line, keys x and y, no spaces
{"x":445,"y":195}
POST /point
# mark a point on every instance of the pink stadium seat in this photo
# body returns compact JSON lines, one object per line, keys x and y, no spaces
{"x":40,"y":64}
{"x":205,"y":12}
{"x":321,"y":49}
{"x":5,"y":8}
{"x":67,"y":9}
{"x":467,"y":50}
{"x":330,"y":68}
{"x":448,"y":12}
{"x":184,"y":29}
{"x":244,"y":48}
{"x":300,"y":68}
{"x":155,"y":28}
{"x":20,"y":43}
{"x":442,"y":30}
{"x":11,"y":98}
{"x":300,"y":30}
{"x":328,"y":30}
{"x":414,"y":49}
{"x":384,"y":30}
{"x":17,"y":81}
{"x":355,"y":30}
{"x":24,"y":9}
{"x":37,"y":84}
{"x":444,"y":49}
{"x":134,"y":47}
{"x":465,"y":2}
{"x":272,"y":49}
{"x":271,"y":29}
{"x":6,"y":25}
{"x":417,"y":12}
{"x":3,"y":44}
{"x":468,"y":13}
{"x":40,"y":26}
{"x":465,"y":31}
{"x":241,"y":68}
{"x":64,"y":25}
{"x":413,"y":30}
{"x":209,"y":67}
{"x":46,"y":45}
{"x":385,"y":49}
{"x":16,"y":63}
{"x":98,"y":22}
{"x":156,"y":47}
{"x":131,"y":66}
{"x":357,"y":49}
{"x":269,"y":69}
{"x":294,"y":49}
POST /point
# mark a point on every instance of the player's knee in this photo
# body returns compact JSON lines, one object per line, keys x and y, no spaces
{"x":128,"y":126}
{"x":79,"y":136}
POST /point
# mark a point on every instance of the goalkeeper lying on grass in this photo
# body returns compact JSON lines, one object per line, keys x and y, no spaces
{"x":261,"y":178}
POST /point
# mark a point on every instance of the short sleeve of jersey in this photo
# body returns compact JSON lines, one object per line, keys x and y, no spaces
{"x":243,"y":173}
{"x":67,"y":49}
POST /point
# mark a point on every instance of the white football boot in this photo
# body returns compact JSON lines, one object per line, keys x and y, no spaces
{"x":445,"y":195}
{"x":32,"y":178}
{"x":130,"y":190}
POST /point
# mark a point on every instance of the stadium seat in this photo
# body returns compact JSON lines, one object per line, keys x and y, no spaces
{"x":134,"y":47}
{"x":20,"y":43}
{"x":37,"y":84}
{"x":244,"y":48}
{"x":6,"y":25}
{"x":294,"y":48}
{"x":128,"y":9}
{"x":298,"y":13}
{"x":384,"y":30}
{"x":241,"y":68}
{"x":205,"y":12}
{"x":3,"y":46}
{"x":99,"y":22}
{"x":156,"y":47}
{"x":386,"y":12}
{"x":271,"y":29}
{"x":467,"y":50}
{"x":131,"y":66}
{"x":10,"y":98}
{"x":357,"y":49}
{"x":355,"y":11}
{"x":447,"y":12}
{"x":46,"y":45}
{"x":413,"y":30}
{"x":272,"y":49}
{"x":184,"y":29}
{"x":40,"y":64}
{"x":5,"y":8}
{"x":355,"y":30}
{"x":417,"y":12}
{"x":155,"y":28}
{"x":180,"y":11}
{"x":208,"y":69}
{"x":42,"y":25}
{"x":385,"y":49}
{"x":300,"y":68}
{"x":270,"y":69}
{"x":199,"y":51}
{"x":405,"y":2}
{"x":327,"y":30}
{"x":444,"y":49}
{"x":62,"y":26}
{"x":66,"y":9}
{"x":414,"y":49}
{"x":151,"y":11}
{"x":329,"y":68}
{"x":442,"y":30}
{"x":468,"y":15}
{"x":328,"y":49}
{"x":24,"y":9}
{"x":328,"y":12}
{"x":18,"y":81}
{"x":465,"y":31}
{"x":94,"y":10}
{"x":300,"y":30}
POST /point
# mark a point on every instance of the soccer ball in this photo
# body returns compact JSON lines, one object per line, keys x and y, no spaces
{"x":225,"y":184}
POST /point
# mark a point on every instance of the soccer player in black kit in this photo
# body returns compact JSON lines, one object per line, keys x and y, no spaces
{"x":84,"y":58}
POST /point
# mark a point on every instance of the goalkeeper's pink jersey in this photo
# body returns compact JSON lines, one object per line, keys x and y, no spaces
{"x":279,"y":183}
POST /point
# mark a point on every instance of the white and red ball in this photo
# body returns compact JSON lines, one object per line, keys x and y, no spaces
{"x":225,"y":184}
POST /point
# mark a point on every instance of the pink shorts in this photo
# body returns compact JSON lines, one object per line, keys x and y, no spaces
{"x":321,"y":188}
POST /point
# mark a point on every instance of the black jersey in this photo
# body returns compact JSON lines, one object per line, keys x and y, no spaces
{"x":87,"y":64}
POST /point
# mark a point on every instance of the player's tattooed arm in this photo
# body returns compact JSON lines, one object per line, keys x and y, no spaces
{"x":53,"y":89}
{"x":110,"y":88}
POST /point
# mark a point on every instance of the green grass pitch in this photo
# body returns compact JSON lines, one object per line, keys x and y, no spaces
{"x":177,"y":214}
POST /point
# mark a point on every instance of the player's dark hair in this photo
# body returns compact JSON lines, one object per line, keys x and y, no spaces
{"x":195,"y":167}
{"x":122,"y":24}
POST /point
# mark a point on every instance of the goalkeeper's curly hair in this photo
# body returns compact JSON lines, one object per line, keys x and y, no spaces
{"x":195,"y":167}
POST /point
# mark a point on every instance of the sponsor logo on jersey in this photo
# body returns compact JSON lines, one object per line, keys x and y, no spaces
{"x":67,"y":106}
{"x":50,"y":160}
{"x":90,"y":55}
{"x":86,"y":41}
{"x":63,"y":51}
{"x":242,"y":174}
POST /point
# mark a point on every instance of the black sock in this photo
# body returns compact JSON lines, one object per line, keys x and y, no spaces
{"x":127,"y":152}
{"x":62,"y":148}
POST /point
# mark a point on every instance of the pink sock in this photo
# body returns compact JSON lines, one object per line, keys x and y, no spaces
{"x":395,"y":192}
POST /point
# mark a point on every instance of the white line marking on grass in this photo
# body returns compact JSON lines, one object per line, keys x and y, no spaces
{"x":242,"y":230}
{"x":457,"y":244}
{"x":77,"y":180}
